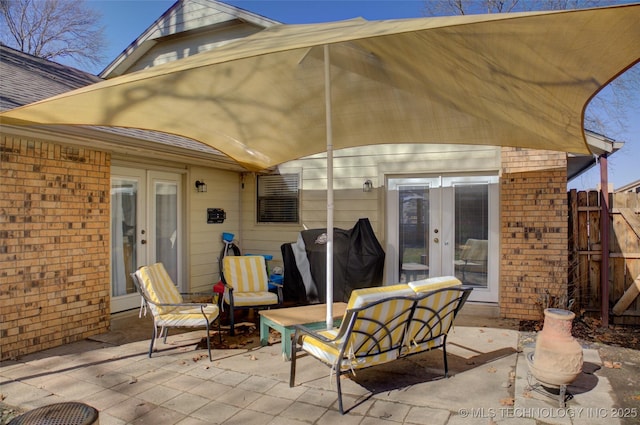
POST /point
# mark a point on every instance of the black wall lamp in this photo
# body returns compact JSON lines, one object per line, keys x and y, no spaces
{"x":201,"y":186}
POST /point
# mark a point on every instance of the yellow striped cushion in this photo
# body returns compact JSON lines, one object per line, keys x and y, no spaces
{"x":437,"y":325}
{"x":325,"y":351}
{"x":434,"y":283}
{"x":392,"y":313}
{"x":362,"y":351}
{"x":159,"y":287}
{"x":365,"y":296}
{"x":188,"y":317}
{"x":328,"y":353}
{"x":241,"y":299}
{"x":246,"y":273}
{"x":425,"y":346}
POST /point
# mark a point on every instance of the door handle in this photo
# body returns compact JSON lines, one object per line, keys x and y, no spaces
{"x":144,"y":241}
{"x":436,"y":240}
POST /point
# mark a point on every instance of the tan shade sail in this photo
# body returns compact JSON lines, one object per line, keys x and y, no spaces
{"x":505,"y":79}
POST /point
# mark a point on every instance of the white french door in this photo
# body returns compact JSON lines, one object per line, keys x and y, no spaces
{"x":145,"y":228}
{"x":444,"y":225}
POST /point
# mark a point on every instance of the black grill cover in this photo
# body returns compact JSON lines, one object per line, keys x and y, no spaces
{"x":358,"y":262}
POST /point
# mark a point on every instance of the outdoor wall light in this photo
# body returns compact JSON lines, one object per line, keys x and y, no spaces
{"x":201,"y":186}
{"x":367,"y":186}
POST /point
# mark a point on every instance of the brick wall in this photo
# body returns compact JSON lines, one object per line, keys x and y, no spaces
{"x":534,"y":230}
{"x":54,"y":227}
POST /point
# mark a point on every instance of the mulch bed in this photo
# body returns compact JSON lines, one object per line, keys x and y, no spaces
{"x":590,"y":330}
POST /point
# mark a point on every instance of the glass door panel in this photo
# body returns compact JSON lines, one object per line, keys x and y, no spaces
{"x":409,"y":254}
{"x":471,"y":233}
{"x":166,"y":219}
{"x":127,"y":232}
{"x":124,"y":198}
{"x":413,"y":231}
{"x":165,"y":201}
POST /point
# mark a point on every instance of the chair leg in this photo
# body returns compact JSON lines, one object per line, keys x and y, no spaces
{"x":164,"y":332}
{"x":294,"y":350}
{"x":153,"y":338}
{"x":446,"y":365}
{"x":208,"y":342}
{"x":232,"y":319}
{"x":219,"y":330}
{"x":339,"y":387}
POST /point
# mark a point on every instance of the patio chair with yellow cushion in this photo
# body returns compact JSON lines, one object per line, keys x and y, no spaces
{"x":168,"y":307}
{"x":383,"y":324}
{"x":372,"y":332}
{"x":247,"y":285}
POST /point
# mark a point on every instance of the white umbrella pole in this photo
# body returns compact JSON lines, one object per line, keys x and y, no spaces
{"x":327,"y":99}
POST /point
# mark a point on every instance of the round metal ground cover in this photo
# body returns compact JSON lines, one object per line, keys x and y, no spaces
{"x":70,"y":413}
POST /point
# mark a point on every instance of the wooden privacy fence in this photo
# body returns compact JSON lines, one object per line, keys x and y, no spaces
{"x":585,"y":255}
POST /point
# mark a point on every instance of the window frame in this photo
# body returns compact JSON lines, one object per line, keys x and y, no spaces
{"x":286,"y":179}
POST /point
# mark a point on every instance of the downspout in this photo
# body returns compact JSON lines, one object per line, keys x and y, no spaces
{"x":604,"y":240}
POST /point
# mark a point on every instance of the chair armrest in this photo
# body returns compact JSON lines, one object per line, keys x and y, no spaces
{"x":301,"y":329}
{"x":180,"y":304}
{"x":314,"y":333}
{"x":278,"y":287}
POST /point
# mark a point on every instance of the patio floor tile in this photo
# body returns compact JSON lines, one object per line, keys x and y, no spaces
{"x":286,"y":421}
{"x":332,"y":417}
{"x":283,"y":390}
{"x":230,"y":377}
{"x":390,"y":411}
{"x":159,"y":394}
{"x":68,"y":387}
{"x":130,"y":409}
{"x":318,"y":397}
{"x":105,"y":399}
{"x":192,"y":421}
{"x":185,"y":382}
{"x":133,"y":387}
{"x":215,"y":412}
{"x":210,"y":390}
{"x":427,"y":416}
{"x":205,"y":370}
{"x":107,"y":419}
{"x":103,"y":377}
{"x":249,"y":417}
{"x":239,"y":397}
{"x":271,"y":405}
{"x":186,"y":403}
{"x":258,"y":384}
{"x":159,"y":376}
{"x":19,"y":393}
{"x":160,"y":415}
{"x":303,"y":412}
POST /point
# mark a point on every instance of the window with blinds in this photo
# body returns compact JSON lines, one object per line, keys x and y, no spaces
{"x":278,"y":199}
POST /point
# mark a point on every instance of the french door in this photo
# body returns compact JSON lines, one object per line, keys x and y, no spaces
{"x":145,"y":229}
{"x":444,"y":225}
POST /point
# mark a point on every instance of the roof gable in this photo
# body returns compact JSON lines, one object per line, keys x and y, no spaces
{"x":211,"y":22}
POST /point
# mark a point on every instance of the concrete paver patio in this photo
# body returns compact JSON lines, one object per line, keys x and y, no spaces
{"x":178,"y":385}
